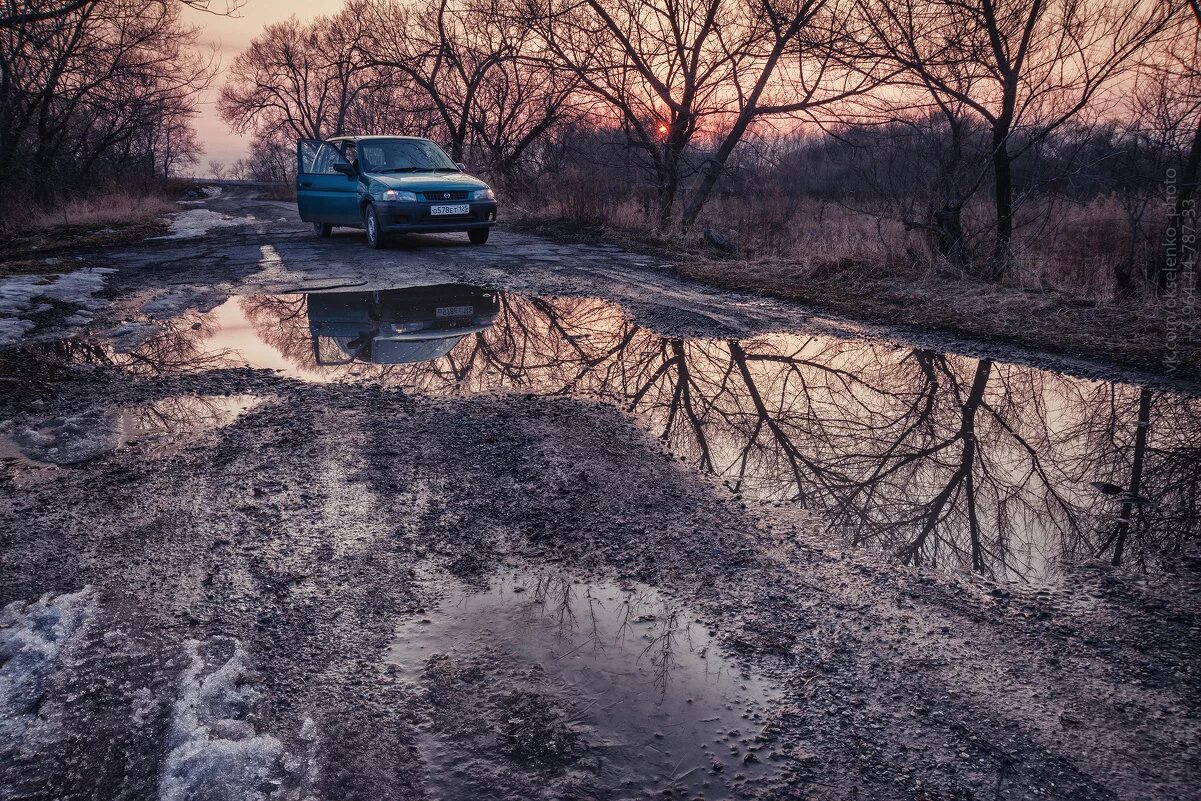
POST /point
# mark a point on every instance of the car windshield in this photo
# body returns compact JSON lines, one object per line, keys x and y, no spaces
{"x":402,"y":155}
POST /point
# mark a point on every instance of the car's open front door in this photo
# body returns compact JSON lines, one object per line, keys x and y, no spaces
{"x":322,"y":193}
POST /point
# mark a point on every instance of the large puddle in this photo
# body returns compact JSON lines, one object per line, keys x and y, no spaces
{"x":611,"y":683}
{"x":933,"y":458}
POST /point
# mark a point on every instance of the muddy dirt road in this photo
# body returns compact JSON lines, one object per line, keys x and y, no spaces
{"x":288,"y":518}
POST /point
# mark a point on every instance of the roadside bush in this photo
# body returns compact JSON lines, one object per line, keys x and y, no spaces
{"x":110,"y":208}
{"x":824,"y":203}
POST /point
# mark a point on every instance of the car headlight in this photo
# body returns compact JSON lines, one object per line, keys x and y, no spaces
{"x":396,"y":194}
{"x":484,"y":194}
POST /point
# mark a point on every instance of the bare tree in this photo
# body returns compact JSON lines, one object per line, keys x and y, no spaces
{"x":298,"y":79}
{"x":669,"y":71}
{"x":922,"y":169}
{"x":1023,"y":67}
{"x":15,"y":13}
{"x":91,"y":93}
{"x":467,"y":74}
{"x":1169,"y":107}
{"x":174,"y":144}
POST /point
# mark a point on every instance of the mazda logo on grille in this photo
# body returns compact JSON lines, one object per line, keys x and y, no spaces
{"x":446,"y":195}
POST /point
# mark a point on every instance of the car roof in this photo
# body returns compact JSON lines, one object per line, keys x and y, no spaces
{"x":374,"y":136}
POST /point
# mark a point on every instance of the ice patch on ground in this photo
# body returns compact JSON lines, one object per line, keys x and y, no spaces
{"x":17,"y":293}
{"x":215,"y":751}
{"x":65,"y":440}
{"x":12,"y":330}
{"x":33,"y":637}
{"x":198,"y":222}
{"x":20,"y":295}
{"x":78,"y":287}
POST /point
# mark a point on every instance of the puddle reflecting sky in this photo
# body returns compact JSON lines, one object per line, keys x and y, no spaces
{"x":933,"y":458}
{"x":625,"y":686}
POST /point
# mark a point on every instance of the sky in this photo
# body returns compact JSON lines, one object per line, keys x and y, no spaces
{"x":231,"y":35}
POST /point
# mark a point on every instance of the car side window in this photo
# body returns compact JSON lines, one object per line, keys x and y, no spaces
{"x":306,"y":154}
{"x":327,"y":157}
{"x":319,"y":158}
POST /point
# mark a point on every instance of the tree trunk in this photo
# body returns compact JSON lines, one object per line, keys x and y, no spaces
{"x":715,"y":166}
{"x":948,"y":221}
{"x":1003,"y":198}
{"x":1136,"y":475}
{"x":668,"y":187}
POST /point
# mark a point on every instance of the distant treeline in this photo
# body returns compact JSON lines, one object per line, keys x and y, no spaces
{"x":94,"y":93}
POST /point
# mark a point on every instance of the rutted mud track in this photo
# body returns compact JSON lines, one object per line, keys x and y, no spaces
{"x":218,"y":610}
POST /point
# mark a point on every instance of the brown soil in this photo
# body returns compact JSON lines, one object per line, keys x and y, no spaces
{"x":27,"y":253}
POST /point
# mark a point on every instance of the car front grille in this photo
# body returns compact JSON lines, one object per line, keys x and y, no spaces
{"x":453,"y":194}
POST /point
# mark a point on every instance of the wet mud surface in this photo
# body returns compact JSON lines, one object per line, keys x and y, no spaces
{"x":572,"y":529}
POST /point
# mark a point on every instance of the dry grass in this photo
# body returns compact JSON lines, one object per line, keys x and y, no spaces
{"x":1081,"y":246}
{"x":115,"y":208}
{"x":1064,"y":246}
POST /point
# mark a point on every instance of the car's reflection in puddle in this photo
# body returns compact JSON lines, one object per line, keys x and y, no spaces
{"x":397,"y":326}
{"x":613,"y":682}
{"x":934,"y":458}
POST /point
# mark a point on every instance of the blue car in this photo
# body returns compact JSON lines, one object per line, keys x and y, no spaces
{"x":389,"y":185}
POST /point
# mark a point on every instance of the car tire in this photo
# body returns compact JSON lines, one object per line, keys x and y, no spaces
{"x":322,"y":229}
{"x":478,"y":236}
{"x":375,"y":236}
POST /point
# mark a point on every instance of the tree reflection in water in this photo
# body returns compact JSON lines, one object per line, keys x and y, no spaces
{"x":937,"y":459}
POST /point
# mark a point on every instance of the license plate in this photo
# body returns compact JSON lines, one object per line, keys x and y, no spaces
{"x":454,"y":311}
{"x":462,"y":208}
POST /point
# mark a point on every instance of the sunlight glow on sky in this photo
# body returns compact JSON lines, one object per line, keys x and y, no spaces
{"x":231,"y":35}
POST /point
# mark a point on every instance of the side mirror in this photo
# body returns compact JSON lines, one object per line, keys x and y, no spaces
{"x":462,"y":167}
{"x":345,"y":169}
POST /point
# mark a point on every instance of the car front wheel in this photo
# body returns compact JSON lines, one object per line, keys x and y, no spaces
{"x":322,"y":229}
{"x":375,"y":237}
{"x":478,"y":236}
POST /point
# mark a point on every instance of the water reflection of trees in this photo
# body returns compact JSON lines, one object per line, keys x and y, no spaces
{"x":180,"y":414}
{"x":934,"y":458}
{"x":179,"y":345}
{"x":610,"y":616}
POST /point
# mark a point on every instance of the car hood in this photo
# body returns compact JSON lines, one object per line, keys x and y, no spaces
{"x":428,"y":181}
